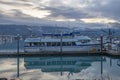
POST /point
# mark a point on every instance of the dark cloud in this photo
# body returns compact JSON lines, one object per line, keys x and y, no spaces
{"x":15,"y":3}
{"x":67,"y":12}
{"x":93,"y":8}
{"x":15,"y":14}
{"x":110,"y":10}
{"x":17,"y":17}
{"x":1,"y":15}
{"x":19,"y":13}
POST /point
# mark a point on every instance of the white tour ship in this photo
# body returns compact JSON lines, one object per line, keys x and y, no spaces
{"x":65,"y":43}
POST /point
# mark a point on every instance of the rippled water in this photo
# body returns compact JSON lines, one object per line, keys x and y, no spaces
{"x":62,"y":68}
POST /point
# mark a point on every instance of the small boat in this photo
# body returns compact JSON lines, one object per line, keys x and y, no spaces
{"x":65,"y":43}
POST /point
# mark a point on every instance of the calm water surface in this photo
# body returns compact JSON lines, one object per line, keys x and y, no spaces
{"x":62,"y":68}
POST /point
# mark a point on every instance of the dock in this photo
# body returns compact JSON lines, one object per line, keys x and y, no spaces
{"x":113,"y":52}
{"x":23,"y":54}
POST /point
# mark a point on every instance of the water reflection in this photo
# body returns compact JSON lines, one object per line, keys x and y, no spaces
{"x":61,"y":68}
{"x":60,"y":64}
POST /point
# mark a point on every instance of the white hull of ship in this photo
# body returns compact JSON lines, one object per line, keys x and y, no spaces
{"x":64,"y":49}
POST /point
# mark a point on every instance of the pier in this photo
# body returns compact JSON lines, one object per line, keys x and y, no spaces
{"x":22,"y":54}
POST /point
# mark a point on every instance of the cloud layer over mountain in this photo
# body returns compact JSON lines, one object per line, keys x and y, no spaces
{"x":50,"y":11}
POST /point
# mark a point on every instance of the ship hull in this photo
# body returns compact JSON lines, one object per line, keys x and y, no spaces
{"x":63,"y":49}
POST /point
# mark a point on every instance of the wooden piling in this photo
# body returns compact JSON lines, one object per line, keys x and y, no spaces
{"x":101,"y":42}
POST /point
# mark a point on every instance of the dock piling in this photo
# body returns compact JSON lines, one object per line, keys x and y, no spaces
{"x":101,"y":42}
{"x":101,"y":39}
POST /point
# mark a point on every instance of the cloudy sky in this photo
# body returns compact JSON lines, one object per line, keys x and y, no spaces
{"x":43,"y":11}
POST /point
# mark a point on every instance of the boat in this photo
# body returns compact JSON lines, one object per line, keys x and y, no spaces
{"x":61,"y":43}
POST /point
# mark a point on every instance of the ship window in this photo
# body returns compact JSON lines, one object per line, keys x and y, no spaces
{"x":64,"y":44}
{"x":73,"y":44}
{"x":48,"y":43}
{"x":68,"y":43}
{"x":32,"y":44}
{"x":53,"y":43}
{"x":36,"y":44}
{"x":42,"y":44}
{"x":84,"y":41}
{"x":28,"y":44}
{"x":57,"y":43}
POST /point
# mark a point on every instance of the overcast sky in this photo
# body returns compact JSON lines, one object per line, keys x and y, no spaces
{"x":50,"y":11}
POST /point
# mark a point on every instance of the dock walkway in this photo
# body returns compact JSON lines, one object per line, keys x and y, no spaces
{"x":23,"y":54}
{"x":113,"y":52}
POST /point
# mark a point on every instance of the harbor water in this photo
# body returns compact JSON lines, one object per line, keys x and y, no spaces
{"x":61,"y":68}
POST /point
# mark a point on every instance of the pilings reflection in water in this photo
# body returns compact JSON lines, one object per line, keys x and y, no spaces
{"x":61,"y":64}
{"x":18,"y":56}
{"x":101,"y":57}
{"x":66,"y":65}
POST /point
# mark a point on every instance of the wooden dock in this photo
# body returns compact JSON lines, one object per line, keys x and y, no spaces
{"x":113,"y":52}
{"x":22,"y":54}
{"x":30,"y":54}
{"x":46,"y":54}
